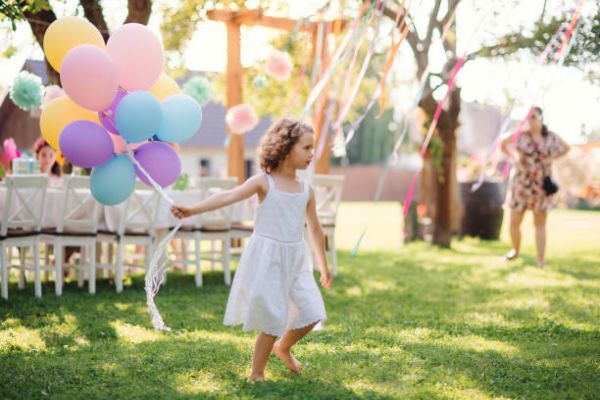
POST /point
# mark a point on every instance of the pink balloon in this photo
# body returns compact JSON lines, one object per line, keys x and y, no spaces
{"x":107,"y":116}
{"x":119,"y":144}
{"x":138,"y":55}
{"x":89,"y":77}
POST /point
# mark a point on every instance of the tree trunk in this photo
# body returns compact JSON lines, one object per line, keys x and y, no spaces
{"x":139,"y":11}
{"x":448,"y":123}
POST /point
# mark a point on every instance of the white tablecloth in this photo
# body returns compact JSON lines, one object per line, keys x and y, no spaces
{"x":110,"y":215}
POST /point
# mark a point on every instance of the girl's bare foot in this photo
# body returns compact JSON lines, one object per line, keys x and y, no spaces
{"x":540,"y":263}
{"x":288,"y":358}
{"x":256,"y":378}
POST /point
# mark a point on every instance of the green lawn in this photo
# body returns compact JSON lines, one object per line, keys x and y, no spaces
{"x":406,"y":322}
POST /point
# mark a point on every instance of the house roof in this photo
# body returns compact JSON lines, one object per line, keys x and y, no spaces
{"x":212,"y":132}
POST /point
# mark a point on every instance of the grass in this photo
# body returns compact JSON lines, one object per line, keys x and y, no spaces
{"x":406,"y":322}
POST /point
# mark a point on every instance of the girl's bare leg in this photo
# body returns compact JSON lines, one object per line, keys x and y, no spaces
{"x":282,"y":347}
{"x":262,"y":349}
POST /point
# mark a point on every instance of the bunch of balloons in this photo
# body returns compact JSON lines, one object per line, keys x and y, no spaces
{"x":118,"y":102}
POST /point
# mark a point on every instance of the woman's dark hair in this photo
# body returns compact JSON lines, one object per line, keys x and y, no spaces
{"x":544,"y":127}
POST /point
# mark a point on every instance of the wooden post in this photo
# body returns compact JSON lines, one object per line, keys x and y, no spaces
{"x":320,"y":107}
{"x":235,"y":149}
{"x":234,"y":74}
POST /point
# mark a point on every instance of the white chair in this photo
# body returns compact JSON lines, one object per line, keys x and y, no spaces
{"x":77,"y":226}
{"x":212,"y":226}
{"x":328,"y":193}
{"x":21,"y":226}
{"x":136,"y":227}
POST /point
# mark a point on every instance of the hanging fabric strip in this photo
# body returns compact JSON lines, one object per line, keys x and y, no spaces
{"x":318,"y":88}
{"x":398,"y":143}
{"x":392,"y":53}
{"x":377,"y":92}
{"x":558,"y":59}
{"x":359,"y":79}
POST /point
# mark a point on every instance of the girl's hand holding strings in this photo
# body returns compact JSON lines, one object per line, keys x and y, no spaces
{"x":181,"y":212}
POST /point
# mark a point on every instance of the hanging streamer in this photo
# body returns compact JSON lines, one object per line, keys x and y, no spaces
{"x":318,"y":88}
{"x":558,"y":59}
{"x":398,"y":143}
{"x":392,"y":54}
{"x":377,"y":92}
{"x":361,"y":74}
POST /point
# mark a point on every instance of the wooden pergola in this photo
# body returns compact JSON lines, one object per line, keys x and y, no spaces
{"x":234,"y":74}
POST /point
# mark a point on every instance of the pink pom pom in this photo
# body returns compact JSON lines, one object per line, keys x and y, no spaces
{"x":52,"y":92}
{"x":241,"y":118}
{"x":279,"y":65}
{"x":10,"y":149}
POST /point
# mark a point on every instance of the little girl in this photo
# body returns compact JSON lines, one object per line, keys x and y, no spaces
{"x":274,"y":290}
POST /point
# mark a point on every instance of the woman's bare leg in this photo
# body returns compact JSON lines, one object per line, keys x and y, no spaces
{"x":539,"y":220}
{"x":516,"y":217}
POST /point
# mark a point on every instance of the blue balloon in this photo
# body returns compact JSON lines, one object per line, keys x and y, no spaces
{"x":182,"y":117}
{"x":113,"y":181}
{"x":138,"y":116}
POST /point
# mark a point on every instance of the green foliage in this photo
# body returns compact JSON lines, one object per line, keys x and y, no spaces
{"x":373,"y":141}
{"x":15,"y":10}
{"x":586,"y":44}
{"x":182,"y":182}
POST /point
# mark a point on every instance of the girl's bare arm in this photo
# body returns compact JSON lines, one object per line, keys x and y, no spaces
{"x":317,"y":239}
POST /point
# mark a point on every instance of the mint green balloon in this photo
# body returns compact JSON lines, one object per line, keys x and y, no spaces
{"x":114,"y":181}
{"x":181,"y":118}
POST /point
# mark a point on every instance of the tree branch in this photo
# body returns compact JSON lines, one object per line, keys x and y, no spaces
{"x":39,"y":22}
{"x":93,"y":12}
{"x":432,"y":24}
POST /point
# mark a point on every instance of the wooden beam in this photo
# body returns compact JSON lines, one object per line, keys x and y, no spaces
{"x":235,"y":149}
{"x":258,"y":18}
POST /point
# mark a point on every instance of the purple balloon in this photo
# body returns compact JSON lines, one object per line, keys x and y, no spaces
{"x":85,"y":144}
{"x":107,"y":116}
{"x":160,"y":161}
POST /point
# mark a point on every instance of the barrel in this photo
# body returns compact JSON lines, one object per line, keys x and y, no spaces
{"x":482,"y":209}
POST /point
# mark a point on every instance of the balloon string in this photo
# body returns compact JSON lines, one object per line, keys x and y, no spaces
{"x":155,"y":271}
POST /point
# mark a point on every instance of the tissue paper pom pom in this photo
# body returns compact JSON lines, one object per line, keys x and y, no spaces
{"x":259,"y":82}
{"x":10,"y":149}
{"x":199,"y":89}
{"x":27,"y":91}
{"x":279,"y":65}
{"x":241,"y":118}
{"x":52,"y":92}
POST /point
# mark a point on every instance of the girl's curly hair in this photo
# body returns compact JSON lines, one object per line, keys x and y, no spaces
{"x":277,"y":143}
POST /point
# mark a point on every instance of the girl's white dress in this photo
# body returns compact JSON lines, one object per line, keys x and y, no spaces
{"x":274,"y":288}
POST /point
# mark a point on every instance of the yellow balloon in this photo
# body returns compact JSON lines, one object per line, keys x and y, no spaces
{"x":60,"y":159}
{"x":68,"y":32}
{"x":164,"y":87}
{"x":57,"y":114}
